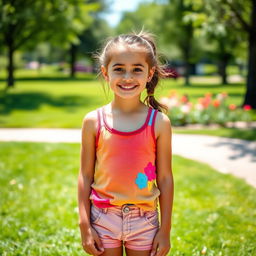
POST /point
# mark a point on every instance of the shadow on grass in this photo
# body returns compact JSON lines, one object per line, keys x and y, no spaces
{"x":32,"y":101}
{"x":45,"y":78}
{"x":205,"y":85}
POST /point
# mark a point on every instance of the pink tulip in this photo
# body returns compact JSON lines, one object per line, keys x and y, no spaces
{"x":247,"y":107}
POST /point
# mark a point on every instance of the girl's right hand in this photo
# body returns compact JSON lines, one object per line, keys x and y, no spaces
{"x":91,"y":242}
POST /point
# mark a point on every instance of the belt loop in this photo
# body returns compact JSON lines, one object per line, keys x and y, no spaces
{"x":141,"y":212}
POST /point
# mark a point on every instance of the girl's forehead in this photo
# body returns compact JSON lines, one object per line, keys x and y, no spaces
{"x":128,"y":55}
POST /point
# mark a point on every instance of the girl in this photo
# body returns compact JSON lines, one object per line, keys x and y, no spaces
{"x":126,"y":157}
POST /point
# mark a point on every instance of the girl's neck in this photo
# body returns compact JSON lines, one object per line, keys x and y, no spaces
{"x":126,"y":106}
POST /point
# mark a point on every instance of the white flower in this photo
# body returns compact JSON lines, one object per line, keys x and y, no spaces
{"x":199,"y":106}
{"x":185,"y":109}
{"x":169,"y":102}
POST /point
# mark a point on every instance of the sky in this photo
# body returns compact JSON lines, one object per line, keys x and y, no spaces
{"x":120,"y":6}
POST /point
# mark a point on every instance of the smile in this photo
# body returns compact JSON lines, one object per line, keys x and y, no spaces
{"x":127,"y":88}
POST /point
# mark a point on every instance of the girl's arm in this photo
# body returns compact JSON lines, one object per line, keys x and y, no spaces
{"x":162,"y":244}
{"x":90,"y":239}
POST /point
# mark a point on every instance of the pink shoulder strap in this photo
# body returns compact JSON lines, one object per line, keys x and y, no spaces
{"x":99,"y":115}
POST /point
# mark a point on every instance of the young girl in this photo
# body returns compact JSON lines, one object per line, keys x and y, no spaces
{"x":126,"y":157}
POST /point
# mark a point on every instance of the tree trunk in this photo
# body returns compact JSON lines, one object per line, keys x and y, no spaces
{"x":250,"y":96}
{"x":188,"y":30}
{"x":186,"y":53}
{"x":223,"y":63}
{"x":73,"y":50}
{"x":187,"y":73}
{"x":10,"y":68}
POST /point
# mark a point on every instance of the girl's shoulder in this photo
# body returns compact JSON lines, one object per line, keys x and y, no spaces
{"x":162,"y":121}
{"x":90,"y":121}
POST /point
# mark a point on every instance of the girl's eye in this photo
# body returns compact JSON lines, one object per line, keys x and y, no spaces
{"x":138,"y":70}
{"x":118,"y":69}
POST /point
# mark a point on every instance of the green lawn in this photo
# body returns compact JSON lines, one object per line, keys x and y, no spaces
{"x":244,"y":134}
{"x":39,"y":206}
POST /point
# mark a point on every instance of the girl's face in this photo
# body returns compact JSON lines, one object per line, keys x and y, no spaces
{"x":128,"y":72}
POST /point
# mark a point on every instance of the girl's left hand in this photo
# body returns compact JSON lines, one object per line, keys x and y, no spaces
{"x":161,"y":244}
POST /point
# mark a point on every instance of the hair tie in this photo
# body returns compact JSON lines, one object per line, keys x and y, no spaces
{"x":151,"y":94}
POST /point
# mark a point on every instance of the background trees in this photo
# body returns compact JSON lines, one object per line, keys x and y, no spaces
{"x":25,"y":23}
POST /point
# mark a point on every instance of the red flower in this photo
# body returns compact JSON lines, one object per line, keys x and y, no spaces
{"x":204,"y":101}
{"x":216,"y":103}
{"x":247,"y":107}
{"x":232,"y":106}
{"x":184,"y":99}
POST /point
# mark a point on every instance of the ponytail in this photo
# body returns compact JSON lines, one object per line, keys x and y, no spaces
{"x":150,"y":86}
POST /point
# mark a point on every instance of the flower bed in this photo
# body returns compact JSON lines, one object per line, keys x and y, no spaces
{"x":208,"y":110}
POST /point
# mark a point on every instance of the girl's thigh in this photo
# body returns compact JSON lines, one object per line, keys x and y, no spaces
{"x":130,"y":252}
{"x":113,"y":251}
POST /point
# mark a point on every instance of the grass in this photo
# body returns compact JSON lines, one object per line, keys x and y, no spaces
{"x":244,"y":134}
{"x":39,"y":207}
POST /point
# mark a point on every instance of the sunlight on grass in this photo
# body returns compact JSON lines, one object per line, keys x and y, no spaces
{"x":212,"y":211}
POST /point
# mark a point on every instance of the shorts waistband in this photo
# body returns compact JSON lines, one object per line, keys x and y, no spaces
{"x":125,"y":208}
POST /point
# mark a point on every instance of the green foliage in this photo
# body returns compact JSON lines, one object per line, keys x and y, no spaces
{"x":24,"y":23}
{"x":147,"y":16}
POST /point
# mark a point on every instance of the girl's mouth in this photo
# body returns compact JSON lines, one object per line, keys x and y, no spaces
{"x":127,"y":88}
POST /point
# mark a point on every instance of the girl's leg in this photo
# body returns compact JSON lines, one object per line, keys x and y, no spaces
{"x":113,"y":251}
{"x":130,"y":252}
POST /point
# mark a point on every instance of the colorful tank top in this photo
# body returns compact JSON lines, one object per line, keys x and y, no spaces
{"x":125,"y":168}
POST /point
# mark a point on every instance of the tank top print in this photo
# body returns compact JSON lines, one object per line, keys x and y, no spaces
{"x":125,"y":170}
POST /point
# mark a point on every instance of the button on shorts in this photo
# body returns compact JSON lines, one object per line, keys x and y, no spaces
{"x":126,"y":224}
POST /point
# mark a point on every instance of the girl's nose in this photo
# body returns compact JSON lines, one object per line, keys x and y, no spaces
{"x":127,"y":76}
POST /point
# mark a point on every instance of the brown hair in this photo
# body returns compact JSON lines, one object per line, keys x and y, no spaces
{"x":142,"y":39}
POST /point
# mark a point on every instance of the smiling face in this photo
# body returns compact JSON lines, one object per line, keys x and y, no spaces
{"x":128,"y":71}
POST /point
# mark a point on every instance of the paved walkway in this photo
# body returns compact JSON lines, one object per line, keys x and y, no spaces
{"x":226,"y":155}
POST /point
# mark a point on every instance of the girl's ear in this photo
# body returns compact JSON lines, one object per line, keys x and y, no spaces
{"x":151,"y":73}
{"x":104,"y":72}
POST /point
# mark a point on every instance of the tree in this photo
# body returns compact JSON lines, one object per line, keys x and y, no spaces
{"x":92,"y":38}
{"x":89,"y":38}
{"x":25,"y":22}
{"x":237,"y":16}
{"x":179,"y":30}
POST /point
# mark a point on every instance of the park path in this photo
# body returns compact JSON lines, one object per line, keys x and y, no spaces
{"x":226,"y":155}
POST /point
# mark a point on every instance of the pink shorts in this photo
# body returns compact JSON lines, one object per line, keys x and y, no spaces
{"x":128,"y":223}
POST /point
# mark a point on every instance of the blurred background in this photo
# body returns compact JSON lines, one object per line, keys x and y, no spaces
{"x":210,"y":44}
{"x":49,"y":79}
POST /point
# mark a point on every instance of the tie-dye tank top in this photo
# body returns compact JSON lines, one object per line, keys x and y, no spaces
{"x":125,"y":168}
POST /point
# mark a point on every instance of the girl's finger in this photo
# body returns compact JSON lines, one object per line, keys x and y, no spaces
{"x":94,"y":250}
